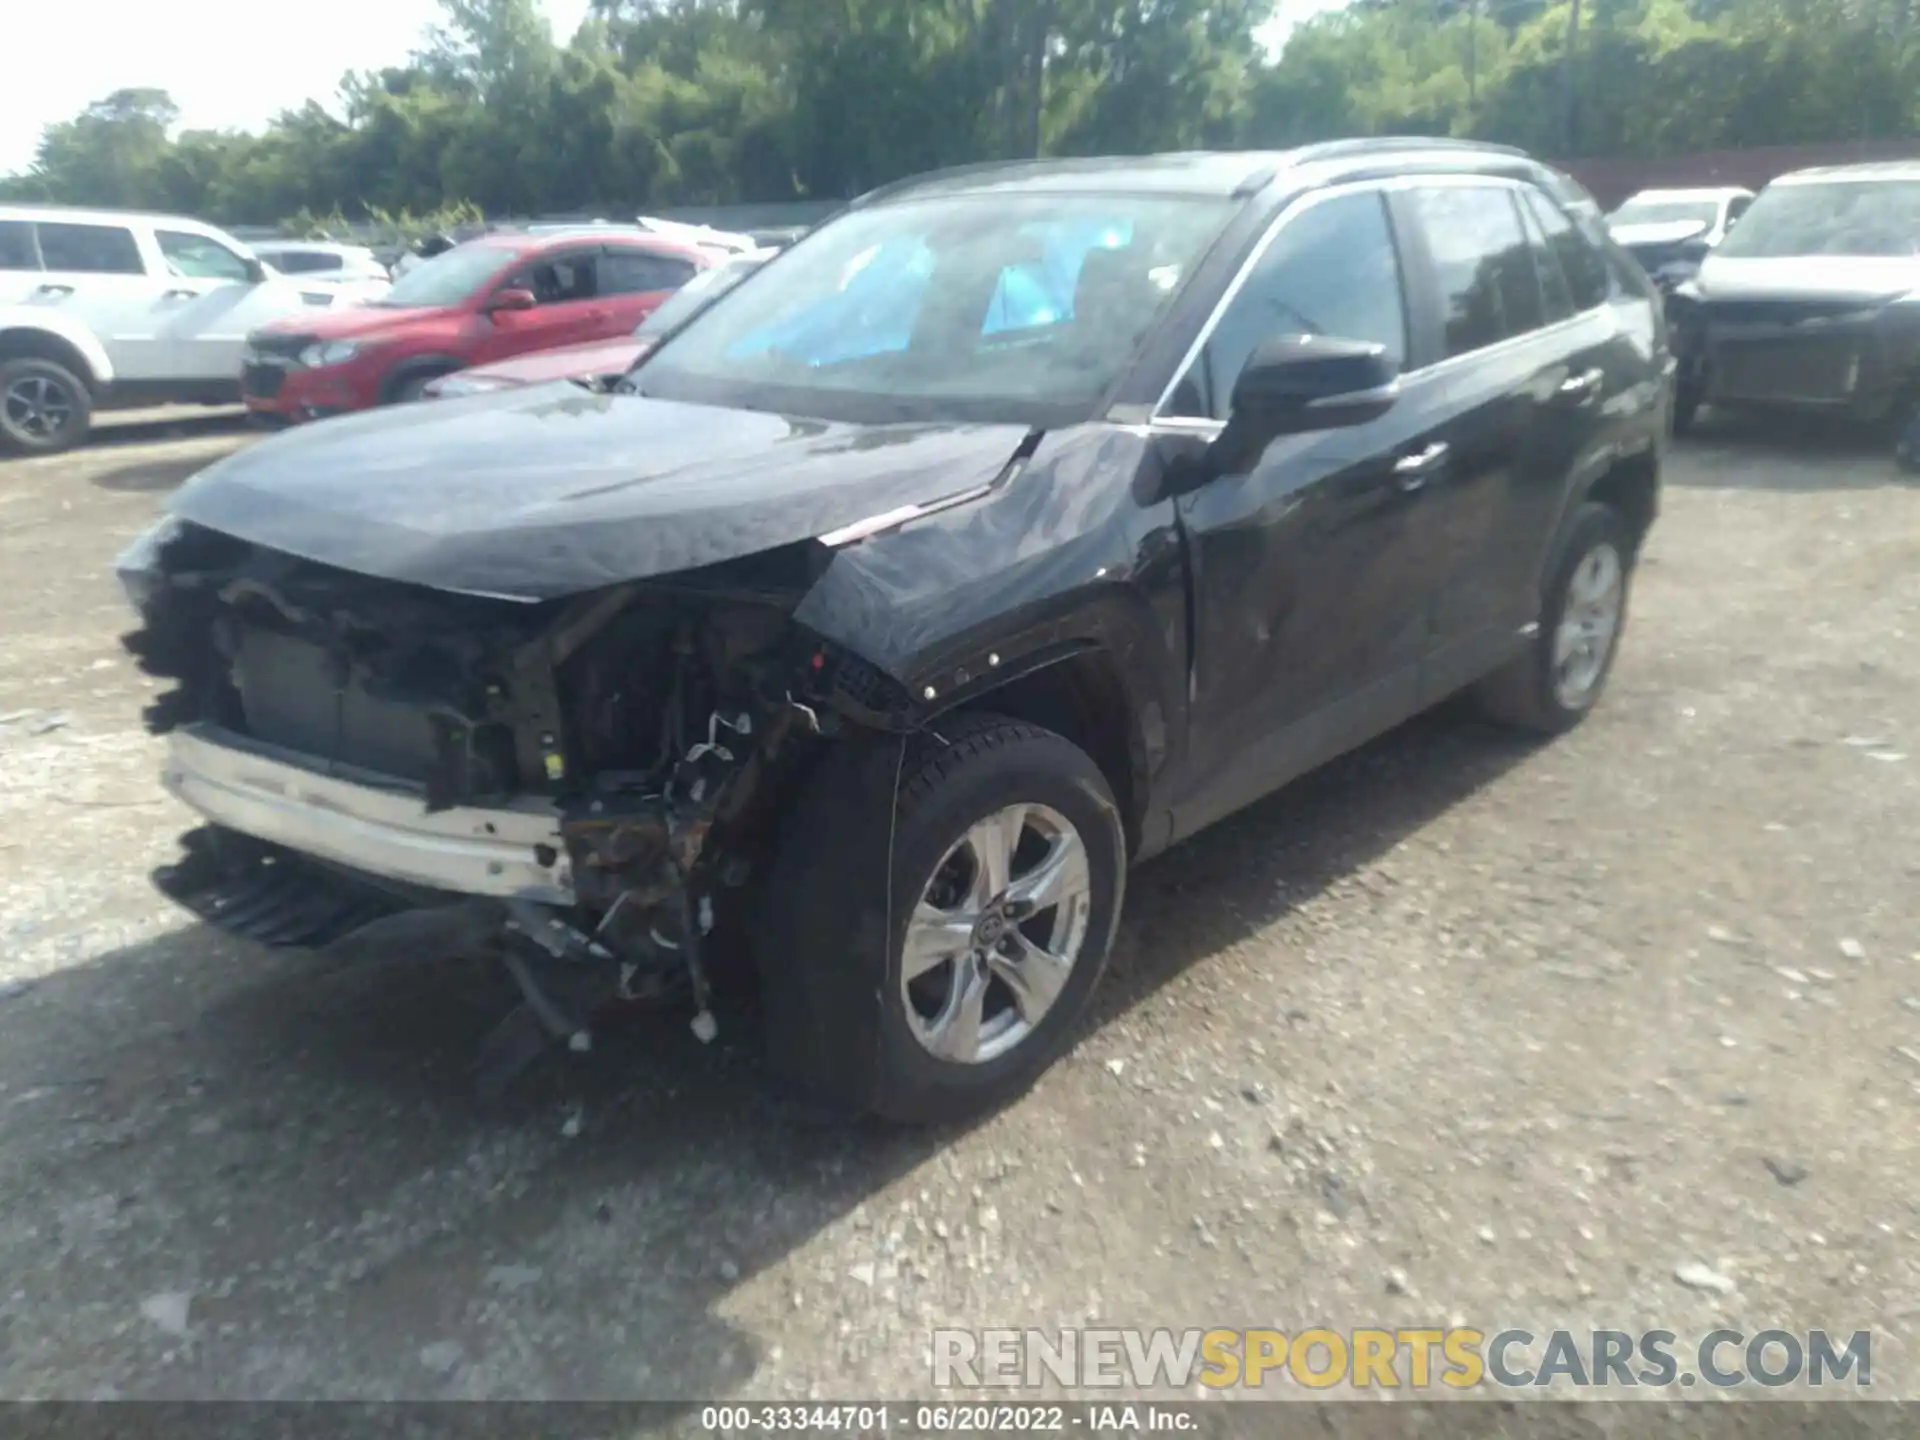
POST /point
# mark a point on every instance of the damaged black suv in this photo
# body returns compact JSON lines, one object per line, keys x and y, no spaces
{"x":1013,"y":525}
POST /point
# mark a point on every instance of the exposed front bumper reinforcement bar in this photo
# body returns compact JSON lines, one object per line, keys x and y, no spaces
{"x":378,"y":826}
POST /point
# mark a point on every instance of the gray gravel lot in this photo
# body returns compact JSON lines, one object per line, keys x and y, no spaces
{"x":1461,"y":1029}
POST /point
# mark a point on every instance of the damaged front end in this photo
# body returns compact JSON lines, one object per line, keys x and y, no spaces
{"x":600,"y":775}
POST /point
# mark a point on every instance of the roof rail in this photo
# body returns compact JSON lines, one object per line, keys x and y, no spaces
{"x":1387,"y":144}
{"x":947,"y":172}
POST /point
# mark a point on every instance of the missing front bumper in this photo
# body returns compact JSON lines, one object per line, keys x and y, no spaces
{"x":371,"y":824}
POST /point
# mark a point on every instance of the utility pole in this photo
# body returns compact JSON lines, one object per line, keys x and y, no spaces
{"x":1043,"y":29}
{"x":1571,"y":82}
{"x":1473,"y":62}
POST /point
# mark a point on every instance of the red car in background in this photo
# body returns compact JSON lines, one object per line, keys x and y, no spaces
{"x":483,"y":301}
{"x":600,"y":362}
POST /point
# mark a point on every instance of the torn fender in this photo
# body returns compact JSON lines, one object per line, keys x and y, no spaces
{"x":1075,"y":549}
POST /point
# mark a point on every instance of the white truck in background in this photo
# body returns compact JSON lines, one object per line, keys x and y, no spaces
{"x":103,"y":309}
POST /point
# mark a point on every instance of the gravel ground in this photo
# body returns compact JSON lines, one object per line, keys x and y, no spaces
{"x":1460,"y":1029}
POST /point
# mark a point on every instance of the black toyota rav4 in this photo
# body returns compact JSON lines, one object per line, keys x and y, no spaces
{"x":1011,"y":526}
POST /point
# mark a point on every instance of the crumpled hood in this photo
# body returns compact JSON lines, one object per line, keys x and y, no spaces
{"x":1873,"y":280}
{"x":547,"y":491}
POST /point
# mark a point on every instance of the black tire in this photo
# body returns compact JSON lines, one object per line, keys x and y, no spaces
{"x":1524,"y":692}
{"x":1906,"y":438}
{"x":832,"y":933}
{"x":407,"y":388}
{"x":44,"y":407}
{"x":1687,"y":399}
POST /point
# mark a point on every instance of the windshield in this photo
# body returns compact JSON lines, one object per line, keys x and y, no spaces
{"x":449,"y":277}
{"x":1838,"y":217}
{"x":965,"y":307}
{"x":698,"y":293}
{"x":1665,"y":212}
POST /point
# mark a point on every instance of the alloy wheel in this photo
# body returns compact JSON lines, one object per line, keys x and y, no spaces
{"x":1589,"y":624}
{"x":37,"y":407}
{"x":994,"y":936}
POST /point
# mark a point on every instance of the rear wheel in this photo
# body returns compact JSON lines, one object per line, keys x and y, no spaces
{"x":1550,"y":687}
{"x":411,"y":387}
{"x":44,"y":407}
{"x":1906,"y":442}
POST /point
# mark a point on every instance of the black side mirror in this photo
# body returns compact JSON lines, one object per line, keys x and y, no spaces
{"x":256,"y":271}
{"x":1301,"y":383}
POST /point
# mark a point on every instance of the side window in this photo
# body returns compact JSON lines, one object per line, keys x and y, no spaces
{"x":558,"y":279}
{"x":636,"y":272}
{"x":304,"y":262}
{"x":1584,"y":266}
{"x":1485,"y":269}
{"x":195,"y":257}
{"x":1331,"y":270}
{"x":1554,"y":293}
{"x":90,"y":249}
{"x":16,"y":246}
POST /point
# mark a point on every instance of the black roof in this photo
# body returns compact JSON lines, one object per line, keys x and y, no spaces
{"x":1221,"y":173}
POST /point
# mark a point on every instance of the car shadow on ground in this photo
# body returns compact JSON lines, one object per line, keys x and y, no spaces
{"x":308,"y":1128}
{"x":164,"y":471}
{"x":1742,"y":450}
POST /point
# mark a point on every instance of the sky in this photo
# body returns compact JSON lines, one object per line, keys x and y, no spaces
{"x":236,"y":63}
{"x":227,"y":63}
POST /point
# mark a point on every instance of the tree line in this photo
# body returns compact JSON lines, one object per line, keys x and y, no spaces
{"x":656,"y":103}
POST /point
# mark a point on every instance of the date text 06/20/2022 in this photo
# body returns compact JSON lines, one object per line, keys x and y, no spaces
{"x":883,"y":1418}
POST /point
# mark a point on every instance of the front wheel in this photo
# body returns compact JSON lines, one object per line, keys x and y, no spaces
{"x":44,"y":407}
{"x":1687,"y":399}
{"x":1004,"y":889}
{"x":1551,"y":685}
{"x":1906,"y":444}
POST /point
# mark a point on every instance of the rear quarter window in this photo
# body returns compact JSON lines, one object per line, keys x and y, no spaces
{"x":16,"y":246}
{"x":639,"y":272}
{"x":90,"y":249}
{"x":1589,"y":265}
{"x":304,"y":262}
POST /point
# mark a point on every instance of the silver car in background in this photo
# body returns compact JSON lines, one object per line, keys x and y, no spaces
{"x":352,"y":273}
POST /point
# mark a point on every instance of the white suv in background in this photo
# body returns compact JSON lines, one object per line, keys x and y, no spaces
{"x":105,"y":309}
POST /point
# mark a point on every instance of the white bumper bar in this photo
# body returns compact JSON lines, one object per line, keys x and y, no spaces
{"x":383,"y":830}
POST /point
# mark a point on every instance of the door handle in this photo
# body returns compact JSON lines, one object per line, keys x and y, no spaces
{"x":1411,"y":472}
{"x":1578,"y":389}
{"x":54,"y":290}
{"x":179,"y":294}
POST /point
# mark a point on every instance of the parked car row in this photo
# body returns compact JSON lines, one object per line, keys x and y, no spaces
{"x":1809,"y":304}
{"x":481,"y":302}
{"x":1012,"y":526}
{"x":598,"y":363}
{"x":106,"y":310}
{"x":1670,"y":232}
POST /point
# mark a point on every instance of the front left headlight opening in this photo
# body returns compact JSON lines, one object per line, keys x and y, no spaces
{"x":329,"y":352}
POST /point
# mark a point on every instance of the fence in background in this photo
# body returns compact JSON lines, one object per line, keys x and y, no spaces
{"x":1613,"y":180}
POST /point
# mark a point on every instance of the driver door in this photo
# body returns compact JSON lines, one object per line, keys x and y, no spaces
{"x":205,"y":307}
{"x":568,"y":308}
{"x":1311,"y":579}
